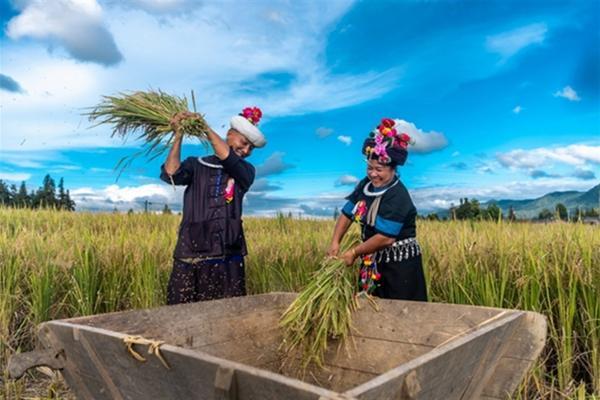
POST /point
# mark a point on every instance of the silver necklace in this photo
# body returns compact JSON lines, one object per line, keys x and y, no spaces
{"x":206,"y":163}
{"x":367,"y":192}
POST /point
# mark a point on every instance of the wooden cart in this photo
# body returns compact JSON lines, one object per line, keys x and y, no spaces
{"x":228,"y":349}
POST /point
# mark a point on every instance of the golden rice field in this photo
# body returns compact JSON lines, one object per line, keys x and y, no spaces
{"x":59,"y":264}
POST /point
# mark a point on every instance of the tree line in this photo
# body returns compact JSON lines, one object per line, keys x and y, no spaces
{"x":49,"y":195}
{"x":472,"y":210}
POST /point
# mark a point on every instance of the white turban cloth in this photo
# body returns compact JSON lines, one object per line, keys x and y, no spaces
{"x":249,"y":130}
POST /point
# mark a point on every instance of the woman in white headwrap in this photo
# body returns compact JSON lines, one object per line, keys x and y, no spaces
{"x":391,"y":265}
{"x":209,"y":255}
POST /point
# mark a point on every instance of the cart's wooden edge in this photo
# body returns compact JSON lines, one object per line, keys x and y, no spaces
{"x":167,"y":348}
{"x":404,"y":369}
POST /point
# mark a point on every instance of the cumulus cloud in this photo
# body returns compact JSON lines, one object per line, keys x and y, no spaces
{"x":75,"y":25}
{"x":273,"y":165}
{"x":425,"y":142}
{"x":538,"y":173}
{"x":575,"y":154}
{"x":124,"y":198}
{"x":347,"y":140}
{"x":509,"y":43}
{"x":441,"y":198}
{"x":568,"y":93}
{"x":584,"y":174}
{"x":263,"y":185}
{"x":14,"y":176}
{"x":323,"y":132}
{"x":160,"y":7}
{"x":248,"y":53}
{"x":346,"y":180}
{"x":9,"y":84}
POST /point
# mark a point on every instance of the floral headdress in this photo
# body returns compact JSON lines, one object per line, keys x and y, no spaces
{"x":386,"y":144}
{"x":252,"y":114}
{"x":246,"y":123}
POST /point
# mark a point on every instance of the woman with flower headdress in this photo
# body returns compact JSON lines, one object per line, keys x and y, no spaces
{"x":209,"y":255}
{"x":391,"y":265}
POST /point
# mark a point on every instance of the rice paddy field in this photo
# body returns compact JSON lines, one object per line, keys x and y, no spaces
{"x":58,"y":264}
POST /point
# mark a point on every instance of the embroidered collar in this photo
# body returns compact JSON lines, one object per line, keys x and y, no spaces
{"x":376,"y":193}
{"x":208,"y":164}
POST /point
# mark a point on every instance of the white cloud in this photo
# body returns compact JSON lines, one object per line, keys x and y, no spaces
{"x":568,"y":93}
{"x":511,"y":42}
{"x":14,"y":176}
{"x":575,"y":154}
{"x":274,"y":164}
{"x":517,"y":109}
{"x":124,"y":198}
{"x":425,"y":142}
{"x":346,"y":180}
{"x":441,"y":198}
{"x":159,"y":6}
{"x":75,"y":25}
{"x":347,"y":140}
{"x":224,"y":64}
{"x":323,"y":132}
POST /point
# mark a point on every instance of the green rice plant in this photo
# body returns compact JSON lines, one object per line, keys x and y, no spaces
{"x":42,"y":289}
{"x":84,"y":293}
{"x":553,"y":269}
{"x":145,"y":288}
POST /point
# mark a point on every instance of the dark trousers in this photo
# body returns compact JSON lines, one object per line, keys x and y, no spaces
{"x":402,"y":280}
{"x":206,"y":280}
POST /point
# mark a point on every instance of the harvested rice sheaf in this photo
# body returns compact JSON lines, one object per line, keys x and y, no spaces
{"x":146,"y":116}
{"x":322,"y":311}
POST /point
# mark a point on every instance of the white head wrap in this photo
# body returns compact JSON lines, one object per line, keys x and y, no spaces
{"x":249,"y":130}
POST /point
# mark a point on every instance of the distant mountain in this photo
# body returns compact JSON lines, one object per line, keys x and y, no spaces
{"x":571,"y":199}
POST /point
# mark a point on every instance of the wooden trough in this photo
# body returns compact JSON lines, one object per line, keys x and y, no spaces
{"x":228,"y":349}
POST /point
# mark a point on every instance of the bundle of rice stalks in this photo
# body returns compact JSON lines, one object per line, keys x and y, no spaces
{"x":323,"y":310}
{"x":147,"y":114}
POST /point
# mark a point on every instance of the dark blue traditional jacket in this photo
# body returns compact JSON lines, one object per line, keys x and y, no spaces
{"x":211,"y":227}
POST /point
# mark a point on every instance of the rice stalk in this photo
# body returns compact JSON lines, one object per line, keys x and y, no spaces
{"x":147,"y":114}
{"x":322,"y":310}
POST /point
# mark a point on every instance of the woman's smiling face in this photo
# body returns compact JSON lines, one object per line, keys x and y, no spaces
{"x":379,"y":174}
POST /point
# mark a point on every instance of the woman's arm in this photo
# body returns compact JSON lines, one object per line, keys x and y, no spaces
{"x":341,"y":227}
{"x":374,"y":243}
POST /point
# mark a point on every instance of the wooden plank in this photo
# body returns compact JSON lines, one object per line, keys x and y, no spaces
{"x":192,"y":374}
{"x":444,"y":372}
{"x":524,"y":348}
{"x":165,"y":315}
{"x":428,"y":324}
{"x":494,"y":350}
{"x":76,"y":383}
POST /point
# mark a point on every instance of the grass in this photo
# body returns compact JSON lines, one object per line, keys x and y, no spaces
{"x":59,"y":264}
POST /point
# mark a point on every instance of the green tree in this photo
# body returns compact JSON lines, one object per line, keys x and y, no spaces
{"x":166,"y":210}
{"x":545,"y":215}
{"x":5,"y":199}
{"x":561,"y":212}
{"x":468,"y":209}
{"x":493,"y":212}
{"x":22,"y":198}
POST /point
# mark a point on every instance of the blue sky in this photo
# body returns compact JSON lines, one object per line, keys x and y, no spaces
{"x":502,"y":97}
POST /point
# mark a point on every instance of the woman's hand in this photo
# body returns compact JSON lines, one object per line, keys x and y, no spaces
{"x":349,"y":257}
{"x":175,"y":122}
{"x":334,"y":249}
